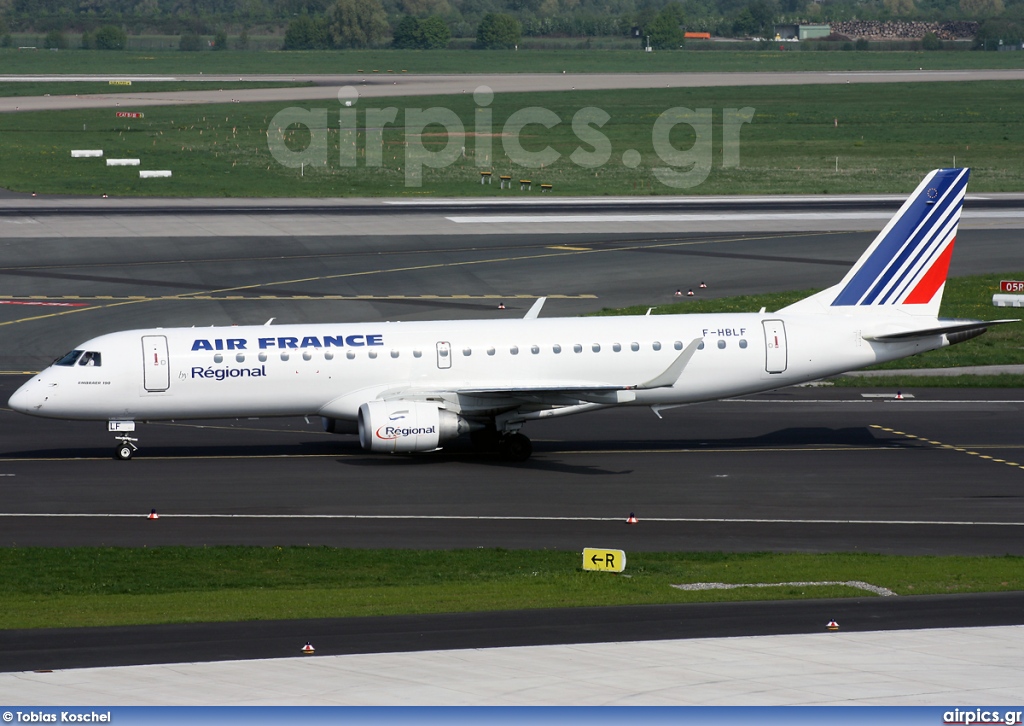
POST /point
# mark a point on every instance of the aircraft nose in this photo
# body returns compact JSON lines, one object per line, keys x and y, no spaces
{"x":29,"y":398}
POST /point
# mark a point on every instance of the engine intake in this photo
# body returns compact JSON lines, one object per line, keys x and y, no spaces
{"x":402,"y":426}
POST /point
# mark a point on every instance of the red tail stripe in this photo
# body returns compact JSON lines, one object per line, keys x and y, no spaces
{"x":932,"y":280}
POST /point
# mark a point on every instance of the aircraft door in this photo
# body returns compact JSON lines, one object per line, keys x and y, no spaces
{"x":776,"y":353}
{"x":156,"y":368}
{"x":444,"y":355}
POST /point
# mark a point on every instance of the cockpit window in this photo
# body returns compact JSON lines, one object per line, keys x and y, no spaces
{"x":69,"y":359}
{"x":90,"y":358}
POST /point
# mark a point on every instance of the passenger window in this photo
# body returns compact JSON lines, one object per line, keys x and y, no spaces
{"x":262,"y":356}
{"x":417,"y":354}
{"x":490,"y":351}
{"x":90,"y":358}
{"x":351,"y":355}
{"x":556,"y":348}
{"x":678,"y":345}
{"x":394,"y":354}
{"x":285,"y":356}
{"x":329,"y":355}
{"x":373,"y":354}
{"x":634,"y":347}
{"x":514,"y":350}
{"x":534,"y":349}
{"x":743,"y":343}
{"x":306,"y":355}
{"x":596,"y":347}
{"x":721,"y":344}
{"x":616,"y":347}
{"x":467,"y":352}
{"x":577,"y":348}
{"x":700,"y":346}
{"x":240,"y":357}
{"x":220,"y":359}
{"x":69,"y":359}
{"x":656,"y":345}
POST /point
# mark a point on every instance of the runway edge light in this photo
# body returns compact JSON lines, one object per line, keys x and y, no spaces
{"x":308,"y":649}
{"x":153,"y":514}
{"x":832,"y":625}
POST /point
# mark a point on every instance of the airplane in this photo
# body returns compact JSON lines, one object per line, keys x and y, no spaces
{"x":415,"y":386}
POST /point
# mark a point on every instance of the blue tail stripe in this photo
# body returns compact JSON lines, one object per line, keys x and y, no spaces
{"x":892,"y":246}
{"x":937,"y":216}
{"x":927,"y":254}
{"x":929,"y":249}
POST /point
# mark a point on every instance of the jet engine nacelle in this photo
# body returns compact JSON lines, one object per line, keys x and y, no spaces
{"x":399,"y":426}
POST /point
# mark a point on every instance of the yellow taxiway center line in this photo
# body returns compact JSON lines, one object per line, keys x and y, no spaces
{"x":951,"y":447}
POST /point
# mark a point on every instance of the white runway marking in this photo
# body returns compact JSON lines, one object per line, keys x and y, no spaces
{"x":693,"y":586}
{"x":469,"y":517}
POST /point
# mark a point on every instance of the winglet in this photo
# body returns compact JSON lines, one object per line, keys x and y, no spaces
{"x":534,"y":312}
{"x":674,"y":371}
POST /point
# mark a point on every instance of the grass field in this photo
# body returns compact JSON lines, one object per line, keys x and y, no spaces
{"x":109,"y":586}
{"x":71,"y":88}
{"x":888,"y":136}
{"x":14,"y":61}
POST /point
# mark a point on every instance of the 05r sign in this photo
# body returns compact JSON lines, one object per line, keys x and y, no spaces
{"x":1016,"y":286}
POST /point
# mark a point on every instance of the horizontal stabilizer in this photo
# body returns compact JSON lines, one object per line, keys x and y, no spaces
{"x":948,"y":328}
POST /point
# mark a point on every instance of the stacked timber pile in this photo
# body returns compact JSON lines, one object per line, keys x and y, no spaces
{"x":905,"y":29}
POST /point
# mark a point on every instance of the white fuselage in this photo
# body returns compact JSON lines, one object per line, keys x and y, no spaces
{"x":331,"y":370}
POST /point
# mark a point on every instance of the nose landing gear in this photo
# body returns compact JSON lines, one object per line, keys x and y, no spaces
{"x":126,"y":444}
{"x":126,"y":448}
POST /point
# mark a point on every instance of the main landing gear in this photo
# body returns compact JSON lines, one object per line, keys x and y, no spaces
{"x":515,"y":447}
{"x":509,"y":446}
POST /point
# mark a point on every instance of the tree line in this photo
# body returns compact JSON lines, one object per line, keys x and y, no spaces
{"x":494,"y":23}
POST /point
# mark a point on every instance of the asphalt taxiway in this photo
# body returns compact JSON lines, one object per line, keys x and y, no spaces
{"x":371,"y":85}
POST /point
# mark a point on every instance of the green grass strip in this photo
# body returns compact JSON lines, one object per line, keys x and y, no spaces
{"x":469,"y":61}
{"x":44,"y":587}
{"x":888,"y":137}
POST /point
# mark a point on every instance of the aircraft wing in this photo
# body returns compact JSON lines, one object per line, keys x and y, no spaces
{"x":559,"y":393}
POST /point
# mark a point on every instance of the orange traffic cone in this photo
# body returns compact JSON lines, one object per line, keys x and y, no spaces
{"x":153,"y":514}
{"x":308,"y":649}
{"x":899,"y":395}
{"x":501,"y":306}
{"x":679,"y":293}
{"x":689,"y":293}
{"x":832,"y":625}
{"x":631,"y":519}
{"x":703,"y":285}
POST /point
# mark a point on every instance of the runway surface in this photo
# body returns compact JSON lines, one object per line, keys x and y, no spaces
{"x":382,"y":86}
{"x":800,"y":470}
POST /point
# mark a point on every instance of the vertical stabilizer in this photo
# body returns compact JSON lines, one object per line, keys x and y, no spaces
{"x":905,"y":268}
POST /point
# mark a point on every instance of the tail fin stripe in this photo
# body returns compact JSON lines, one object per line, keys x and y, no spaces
{"x":932,"y":280}
{"x":911,"y":240}
{"x":920,"y":242}
{"x":924,"y":257}
{"x":925,"y":262}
